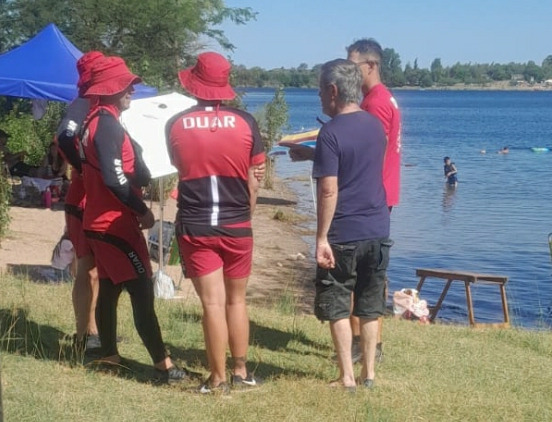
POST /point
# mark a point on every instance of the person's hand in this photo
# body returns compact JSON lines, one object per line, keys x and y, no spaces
{"x":324,"y":255}
{"x":259,"y":172}
{"x":147,"y":220}
{"x":301,"y":153}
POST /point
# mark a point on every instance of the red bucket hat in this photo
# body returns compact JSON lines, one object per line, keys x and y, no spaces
{"x":110,"y":76}
{"x":208,"y":79}
{"x":84,"y":67}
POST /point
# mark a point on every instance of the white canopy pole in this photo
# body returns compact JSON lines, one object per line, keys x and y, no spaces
{"x":161,"y":209}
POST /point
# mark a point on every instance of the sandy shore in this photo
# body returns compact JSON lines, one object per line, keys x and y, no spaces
{"x":281,"y":258}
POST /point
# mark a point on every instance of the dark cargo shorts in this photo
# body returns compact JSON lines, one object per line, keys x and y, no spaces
{"x":360,"y":268}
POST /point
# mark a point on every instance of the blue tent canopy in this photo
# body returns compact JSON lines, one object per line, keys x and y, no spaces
{"x":45,"y":67}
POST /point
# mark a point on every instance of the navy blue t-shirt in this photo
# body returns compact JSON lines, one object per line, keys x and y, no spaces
{"x":352,"y":147}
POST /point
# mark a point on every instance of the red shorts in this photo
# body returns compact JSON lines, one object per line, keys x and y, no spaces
{"x":73,"y":221}
{"x":121,"y":255}
{"x":202,"y":255}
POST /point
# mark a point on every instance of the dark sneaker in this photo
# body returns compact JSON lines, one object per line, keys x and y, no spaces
{"x":368,"y":383}
{"x":248,"y":382}
{"x":93,"y":342}
{"x":379,"y":352}
{"x":207,"y":388}
{"x":170,"y":376}
{"x":81,"y":352}
{"x":339,"y":384}
{"x":356,"y":353}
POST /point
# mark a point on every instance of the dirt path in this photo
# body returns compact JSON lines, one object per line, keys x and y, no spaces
{"x":281,"y":258}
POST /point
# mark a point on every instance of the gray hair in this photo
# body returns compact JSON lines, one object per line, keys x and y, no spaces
{"x":346,"y":76}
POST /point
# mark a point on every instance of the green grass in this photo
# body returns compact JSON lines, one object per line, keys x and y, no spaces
{"x":431,"y":373}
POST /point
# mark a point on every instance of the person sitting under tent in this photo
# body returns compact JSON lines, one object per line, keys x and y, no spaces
{"x":14,"y":161}
{"x":53,"y":164}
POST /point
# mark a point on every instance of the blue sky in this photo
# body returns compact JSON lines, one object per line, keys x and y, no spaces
{"x":289,"y":32}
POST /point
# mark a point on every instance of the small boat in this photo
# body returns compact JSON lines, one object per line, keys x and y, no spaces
{"x":297,"y":138}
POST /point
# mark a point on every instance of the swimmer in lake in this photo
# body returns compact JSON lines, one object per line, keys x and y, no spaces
{"x":450,"y":172}
{"x":504,"y":150}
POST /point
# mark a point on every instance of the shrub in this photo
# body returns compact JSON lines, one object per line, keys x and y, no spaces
{"x":5,"y":195}
{"x":28,"y":135}
{"x":272,"y":119}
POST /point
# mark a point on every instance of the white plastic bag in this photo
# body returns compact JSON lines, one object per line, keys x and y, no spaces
{"x":163,"y":286}
{"x":407,"y":304}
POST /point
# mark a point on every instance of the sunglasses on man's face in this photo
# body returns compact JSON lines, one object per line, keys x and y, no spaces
{"x":368,"y":62}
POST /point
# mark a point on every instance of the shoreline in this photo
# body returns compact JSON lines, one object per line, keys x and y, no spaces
{"x":497,"y":86}
{"x":478,"y":87}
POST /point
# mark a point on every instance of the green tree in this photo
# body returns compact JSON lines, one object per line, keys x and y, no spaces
{"x":436,"y":70}
{"x":156,"y":37}
{"x":425,"y":78}
{"x":411,"y":75}
{"x":390,"y":65}
{"x":547,"y":68}
{"x":547,"y":61}
{"x":498,"y":72}
{"x":532,"y":72}
{"x":5,"y":195}
{"x":272,"y":120}
{"x":397,"y":78}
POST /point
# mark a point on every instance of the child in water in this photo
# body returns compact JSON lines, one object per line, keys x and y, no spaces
{"x":450,"y":172}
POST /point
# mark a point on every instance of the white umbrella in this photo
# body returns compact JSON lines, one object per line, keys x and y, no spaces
{"x":145,"y":121}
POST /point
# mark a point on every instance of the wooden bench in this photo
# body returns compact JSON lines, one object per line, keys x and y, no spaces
{"x":468,"y":278}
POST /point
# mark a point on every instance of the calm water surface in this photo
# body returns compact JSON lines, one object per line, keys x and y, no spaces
{"x":496,"y":221}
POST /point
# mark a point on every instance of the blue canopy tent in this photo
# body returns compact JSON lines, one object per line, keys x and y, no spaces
{"x":45,"y":67}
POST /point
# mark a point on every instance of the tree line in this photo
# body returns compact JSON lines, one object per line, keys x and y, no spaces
{"x":155,"y":37}
{"x":411,"y":75}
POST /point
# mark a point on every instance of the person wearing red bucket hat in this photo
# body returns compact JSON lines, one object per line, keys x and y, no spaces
{"x":209,"y":78}
{"x":85,"y":287}
{"x":84,"y":67}
{"x":115,"y":214}
{"x":216,"y":150}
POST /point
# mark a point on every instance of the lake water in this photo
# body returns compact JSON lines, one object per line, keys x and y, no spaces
{"x":497,"y":220}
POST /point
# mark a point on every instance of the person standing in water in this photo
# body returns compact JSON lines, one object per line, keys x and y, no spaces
{"x":450,"y":172}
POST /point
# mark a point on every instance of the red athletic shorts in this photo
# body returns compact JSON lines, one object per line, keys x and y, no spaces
{"x":203,"y":254}
{"x":73,"y":221}
{"x":121,"y":255}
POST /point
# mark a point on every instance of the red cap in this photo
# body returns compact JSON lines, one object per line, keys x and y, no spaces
{"x":110,"y":76}
{"x":209,"y":78}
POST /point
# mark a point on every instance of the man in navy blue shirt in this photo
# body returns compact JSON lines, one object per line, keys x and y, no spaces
{"x":352,"y":239}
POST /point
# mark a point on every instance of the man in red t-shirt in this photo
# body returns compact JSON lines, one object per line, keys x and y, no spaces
{"x":367,"y":53}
